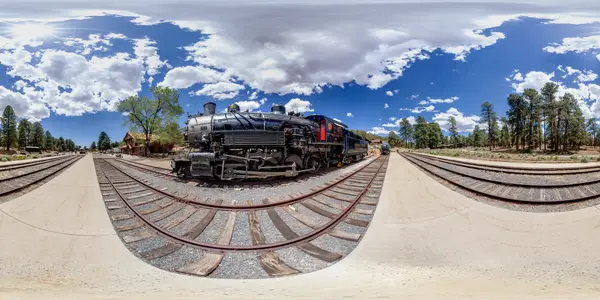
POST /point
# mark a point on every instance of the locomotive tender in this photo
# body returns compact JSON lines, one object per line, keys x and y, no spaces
{"x":240,"y":145}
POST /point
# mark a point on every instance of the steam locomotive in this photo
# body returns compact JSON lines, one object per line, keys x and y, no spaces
{"x":241,"y":145}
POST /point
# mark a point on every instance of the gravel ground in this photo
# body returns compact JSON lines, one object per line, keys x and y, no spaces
{"x":294,"y":224}
{"x":239,"y":265}
{"x":517,"y":206}
{"x":189,"y":223}
{"x":313,"y":215}
{"x":31,"y":169}
{"x":516,"y":178}
{"x":167,"y":211}
{"x":325,"y":207}
{"x":170,"y":221}
{"x":120,"y":211}
{"x":241,"y":232}
{"x":127,"y":222}
{"x":213,"y":230}
{"x":179,"y":258}
{"x":335,"y":245}
{"x":300,"y":261}
{"x":272,"y":235}
{"x":351,"y":228}
{"x":153,"y":205}
{"x":148,"y":244}
{"x":256,"y":195}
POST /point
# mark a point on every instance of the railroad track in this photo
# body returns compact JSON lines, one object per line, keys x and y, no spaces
{"x":246,"y":239}
{"x":28,"y":163}
{"x":532,"y":186}
{"x":15,"y":178}
{"x":165,"y":173}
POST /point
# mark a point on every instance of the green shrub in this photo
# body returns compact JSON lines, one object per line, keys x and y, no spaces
{"x":5,"y":158}
{"x":585,"y":159}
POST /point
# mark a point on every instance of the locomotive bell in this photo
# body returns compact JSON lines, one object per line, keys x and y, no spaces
{"x":233,"y":108}
{"x":209,"y":108}
{"x":278,"y":109}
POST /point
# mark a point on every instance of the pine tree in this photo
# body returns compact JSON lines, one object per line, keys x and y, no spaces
{"x":37,"y":135}
{"x":488,"y":116}
{"x":421,"y":130}
{"x":453,"y":130}
{"x":9,"y":126}
{"x":49,"y":141}
{"x":24,"y":128}
{"x":406,"y":132}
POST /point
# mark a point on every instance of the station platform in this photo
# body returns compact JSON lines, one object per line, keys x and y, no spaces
{"x":425,"y":242}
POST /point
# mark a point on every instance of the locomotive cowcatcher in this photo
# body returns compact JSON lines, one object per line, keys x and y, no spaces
{"x":242,"y":145}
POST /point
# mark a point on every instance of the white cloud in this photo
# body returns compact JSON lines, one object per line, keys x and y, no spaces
{"x":518,"y":77}
{"x":262,"y":101}
{"x":418,"y":110}
{"x":94,"y":42}
{"x":145,"y":49}
{"x":423,"y":102}
{"x":479,"y":41}
{"x":447,"y":100}
{"x":248,"y":105}
{"x":412,"y":120}
{"x":386,"y":106}
{"x":185,"y":77}
{"x":576,"y":44}
{"x":379,"y":131}
{"x":71,"y":84}
{"x":220,"y":90}
{"x":287,"y":48}
{"x":532,"y":80}
{"x":392,"y":119}
{"x":396,"y":91}
{"x":24,"y":104}
{"x":297,"y":56}
{"x":298,"y":105}
{"x":350,"y":115}
{"x":582,"y":76}
{"x":253,"y":96}
{"x":389,"y":93}
{"x":463,"y":123}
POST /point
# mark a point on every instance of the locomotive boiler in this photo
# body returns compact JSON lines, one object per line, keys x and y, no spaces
{"x":240,"y":145}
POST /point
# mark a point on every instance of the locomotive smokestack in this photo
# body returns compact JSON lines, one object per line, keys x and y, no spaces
{"x":278,"y":109}
{"x":233,"y":108}
{"x":209,"y":108}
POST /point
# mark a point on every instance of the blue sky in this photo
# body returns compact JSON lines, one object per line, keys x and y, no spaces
{"x":72,"y":77}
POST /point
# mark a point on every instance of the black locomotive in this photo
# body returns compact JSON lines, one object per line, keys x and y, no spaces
{"x":385,"y":149}
{"x":241,"y":145}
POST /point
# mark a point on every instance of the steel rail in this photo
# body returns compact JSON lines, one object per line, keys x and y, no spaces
{"x":255,"y":248}
{"x":505,"y":199}
{"x":228,"y":207}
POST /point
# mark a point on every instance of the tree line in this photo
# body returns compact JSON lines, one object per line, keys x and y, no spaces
{"x":28,"y":134}
{"x":535,"y":120}
{"x":104,"y":143}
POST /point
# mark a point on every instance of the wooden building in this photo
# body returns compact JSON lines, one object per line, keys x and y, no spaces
{"x":135,"y":144}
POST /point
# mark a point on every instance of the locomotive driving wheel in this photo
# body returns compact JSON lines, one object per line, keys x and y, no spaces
{"x":293,"y":158}
{"x":313,"y":162}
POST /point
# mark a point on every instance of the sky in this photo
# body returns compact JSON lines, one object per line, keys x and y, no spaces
{"x":367,"y":63}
